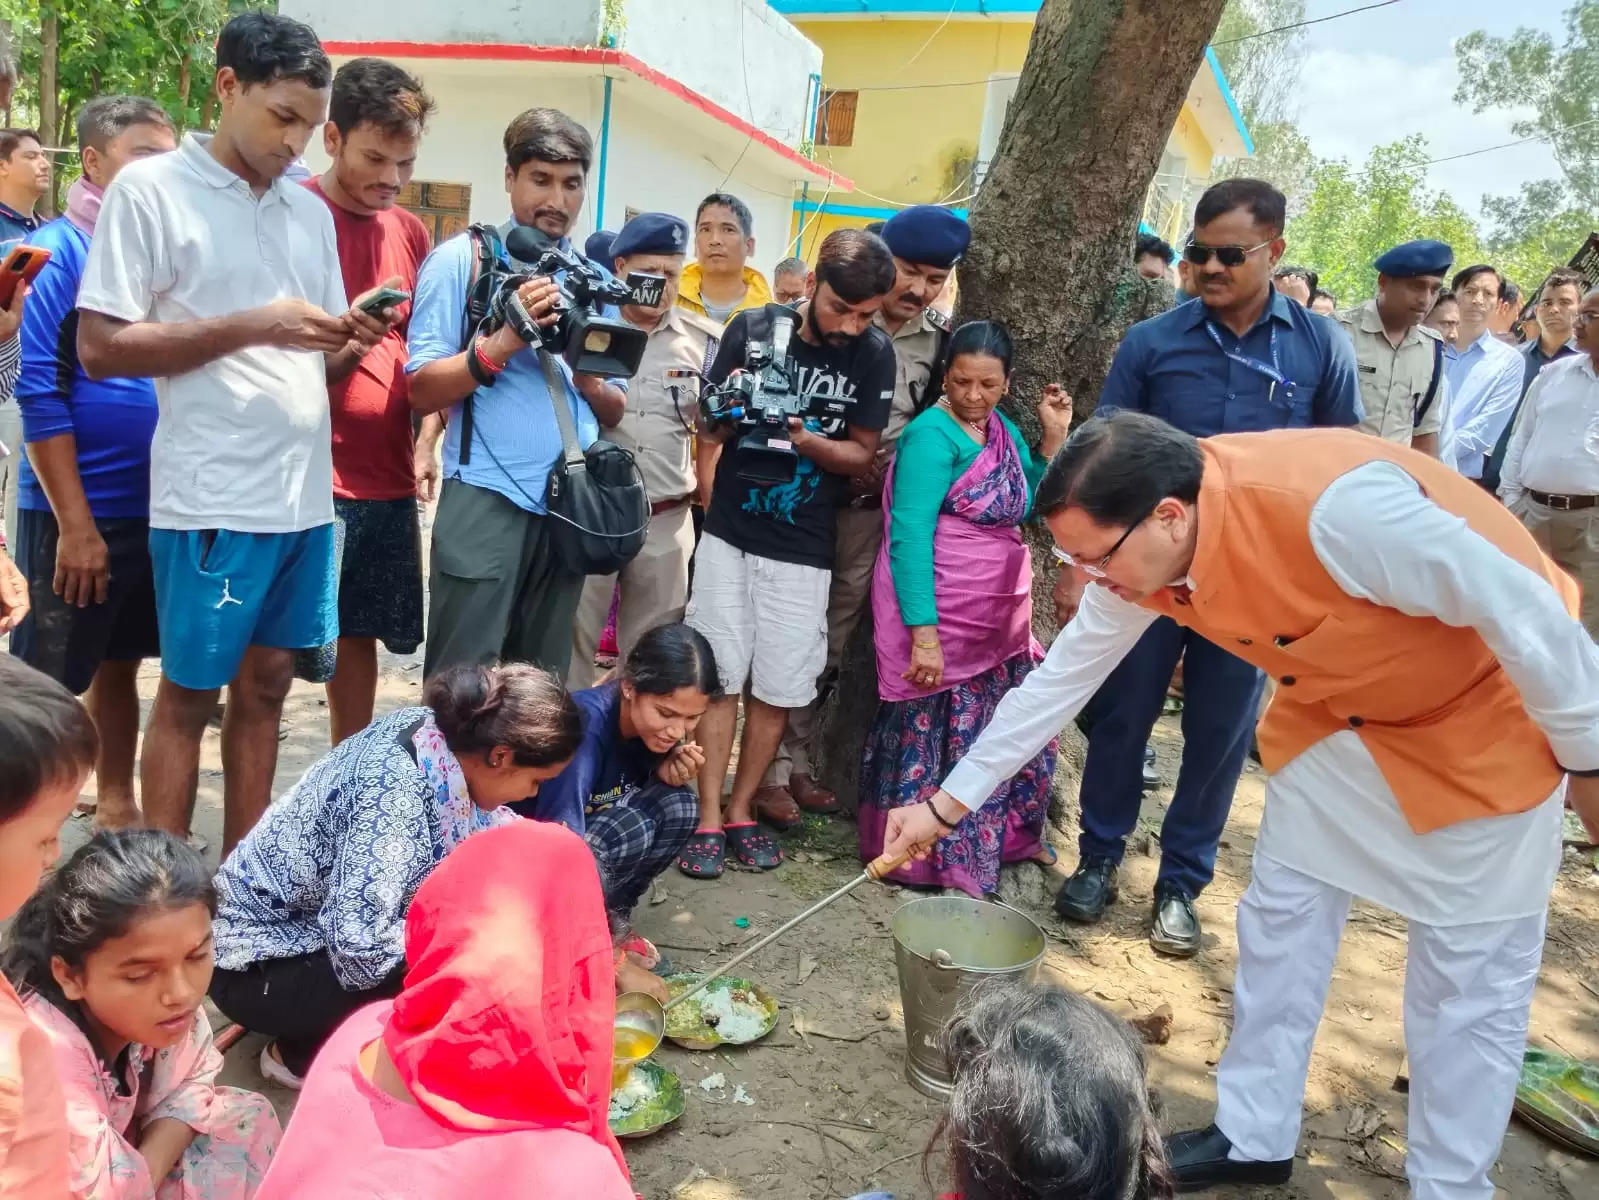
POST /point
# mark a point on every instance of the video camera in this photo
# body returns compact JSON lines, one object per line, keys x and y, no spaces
{"x":761,"y":399}
{"x":590,"y":343}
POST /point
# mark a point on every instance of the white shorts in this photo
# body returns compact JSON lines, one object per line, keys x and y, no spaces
{"x":765,"y":620}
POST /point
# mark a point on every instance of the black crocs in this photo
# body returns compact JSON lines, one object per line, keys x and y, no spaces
{"x":754,"y":849}
{"x":704,"y":854}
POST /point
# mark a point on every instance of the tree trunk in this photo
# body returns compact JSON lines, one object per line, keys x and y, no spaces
{"x":1052,"y":245}
{"x":49,"y":75}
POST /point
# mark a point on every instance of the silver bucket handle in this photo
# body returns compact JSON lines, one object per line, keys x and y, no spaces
{"x":942,"y":960}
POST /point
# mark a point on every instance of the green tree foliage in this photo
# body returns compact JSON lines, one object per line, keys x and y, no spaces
{"x":1263,"y":73}
{"x":1350,"y":217}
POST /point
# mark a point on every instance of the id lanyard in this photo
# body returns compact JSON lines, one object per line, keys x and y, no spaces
{"x":1272,"y":370}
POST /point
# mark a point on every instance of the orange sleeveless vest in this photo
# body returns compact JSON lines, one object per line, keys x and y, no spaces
{"x":1429,"y":701}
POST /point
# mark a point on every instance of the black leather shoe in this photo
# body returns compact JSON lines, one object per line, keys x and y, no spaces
{"x":1151,"y":772}
{"x":1175,"y":927}
{"x":1199,"y":1160}
{"x":1085,"y":895}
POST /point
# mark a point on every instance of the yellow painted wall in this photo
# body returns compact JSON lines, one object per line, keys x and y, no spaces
{"x":913,"y":146}
{"x":909,"y":144}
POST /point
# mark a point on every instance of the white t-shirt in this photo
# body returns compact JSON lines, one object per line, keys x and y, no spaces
{"x":245,"y":442}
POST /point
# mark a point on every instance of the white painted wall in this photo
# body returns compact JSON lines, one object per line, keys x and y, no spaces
{"x":532,"y":22}
{"x":739,"y":53}
{"x":652,"y":165}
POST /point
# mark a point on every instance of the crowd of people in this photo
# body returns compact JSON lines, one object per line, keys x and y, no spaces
{"x":234,"y":390}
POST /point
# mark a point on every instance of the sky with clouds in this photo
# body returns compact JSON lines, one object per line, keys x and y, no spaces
{"x":1377,"y":76}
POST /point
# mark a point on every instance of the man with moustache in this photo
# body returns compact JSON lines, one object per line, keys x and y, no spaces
{"x":658,"y":429}
{"x":497,"y":588}
{"x":926,"y":242}
{"x":375,"y":122}
{"x":1399,"y":360}
{"x":1484,"y":374}
{"x":1555,"y":317}
{"x":1239,"y":358}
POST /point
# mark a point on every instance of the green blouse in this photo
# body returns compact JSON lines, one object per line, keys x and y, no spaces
{"x":934,"y":451}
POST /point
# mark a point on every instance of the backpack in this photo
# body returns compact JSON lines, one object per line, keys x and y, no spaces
{"x":487,"y":248}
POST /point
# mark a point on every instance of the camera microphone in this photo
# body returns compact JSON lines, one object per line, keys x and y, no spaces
{"x":527,"y":244}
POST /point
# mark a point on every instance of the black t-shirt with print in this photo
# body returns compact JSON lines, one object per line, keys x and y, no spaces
{"x":795,"y":521}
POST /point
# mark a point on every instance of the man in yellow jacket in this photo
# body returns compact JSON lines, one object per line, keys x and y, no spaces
{"x":1436,"y":702}
{"x":720,"y":281}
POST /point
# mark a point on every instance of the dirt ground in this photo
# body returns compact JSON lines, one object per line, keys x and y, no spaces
{"x":832,"y":1114}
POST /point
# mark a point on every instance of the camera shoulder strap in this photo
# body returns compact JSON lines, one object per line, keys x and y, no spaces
{"x":555,"y":383}
{"x":485,"y":247}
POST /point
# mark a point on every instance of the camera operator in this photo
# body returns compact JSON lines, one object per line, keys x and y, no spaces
{"x":658,"y":429}
{"x":764,"y":565}
{"x":497,"y":591}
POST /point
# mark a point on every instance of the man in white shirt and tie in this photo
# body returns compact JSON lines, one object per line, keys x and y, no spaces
{"x":1484,"y":374}
{"x":1551,"y":473}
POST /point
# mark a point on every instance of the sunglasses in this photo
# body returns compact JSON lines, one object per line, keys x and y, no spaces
{"x":1229,"y":256}
{"x":1097,"y":570}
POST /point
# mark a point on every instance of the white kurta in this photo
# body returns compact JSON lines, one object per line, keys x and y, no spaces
{"x":1330,"y":814}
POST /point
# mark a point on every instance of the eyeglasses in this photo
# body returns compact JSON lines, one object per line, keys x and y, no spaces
{"x":1230,"y":256}
{"x":1097,"y":570}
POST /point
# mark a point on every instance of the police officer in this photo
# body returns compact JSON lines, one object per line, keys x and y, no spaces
{"x":926,"y":241}
{"x":1400,"y":361}
{"x":657,"y":427}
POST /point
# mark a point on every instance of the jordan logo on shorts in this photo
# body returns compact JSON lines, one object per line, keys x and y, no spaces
{"x":227,"y":596}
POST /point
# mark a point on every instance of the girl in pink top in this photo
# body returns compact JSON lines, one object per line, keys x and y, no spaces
{"x":490,"y":1073}
{"x":113,"y":955}
{"x":47,"y":746}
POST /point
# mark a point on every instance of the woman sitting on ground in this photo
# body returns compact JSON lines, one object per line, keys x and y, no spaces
{"x":490,"y":1073}
{"x":313,"y":900}
{"x":112,"y":955}
{"x":1050,"y":1101}
{"x":952,"y":605}
{"x":628,"y":788}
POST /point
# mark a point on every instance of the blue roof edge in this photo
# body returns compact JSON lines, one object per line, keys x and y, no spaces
{"x":1232,"y":103}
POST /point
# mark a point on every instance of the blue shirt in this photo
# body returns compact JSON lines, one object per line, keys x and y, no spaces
{"x":1484,"y":388}
{"x":1170,"y":367}
{"x":606,"y":769}
{"x":515,"y":439}
{"x":16,"y":227}
{"x":113,"y":420}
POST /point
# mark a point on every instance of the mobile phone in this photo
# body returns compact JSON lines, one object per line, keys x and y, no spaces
{"x":383,"y":298}
{"x":19,"y":267}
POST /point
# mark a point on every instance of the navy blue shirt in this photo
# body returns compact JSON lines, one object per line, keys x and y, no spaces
{"x":606,"y":769}
{"x":15,"y":226}
{"x":1170,"y":367}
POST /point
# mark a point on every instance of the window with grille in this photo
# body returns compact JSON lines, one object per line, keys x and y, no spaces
{"x":445,"y":208}
{"x":835,"y":118}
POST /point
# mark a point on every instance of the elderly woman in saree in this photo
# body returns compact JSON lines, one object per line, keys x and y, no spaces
{"x":952,"y":606}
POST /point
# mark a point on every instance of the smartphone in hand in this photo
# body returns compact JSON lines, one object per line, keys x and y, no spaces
{"x":381,"y":299}
{"x":19,"y":267}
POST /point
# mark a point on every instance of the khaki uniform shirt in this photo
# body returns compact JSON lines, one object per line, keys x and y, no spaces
{"x":655,"y":428}
{"x":916,"y":348}
{"x":1394,"y":380}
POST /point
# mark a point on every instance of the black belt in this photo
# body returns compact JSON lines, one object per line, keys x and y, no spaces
{"x":1564,"y":503}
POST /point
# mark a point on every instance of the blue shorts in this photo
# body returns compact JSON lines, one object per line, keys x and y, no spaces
{"x":219,"y":592}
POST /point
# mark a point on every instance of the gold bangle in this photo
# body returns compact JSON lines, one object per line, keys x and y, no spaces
{"x":925,"y":645}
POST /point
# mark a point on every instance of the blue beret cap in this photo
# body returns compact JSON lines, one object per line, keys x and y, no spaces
{"x":928,"y":235}
{"x":1425,"y":257}
{"x":598,"y":248}
{"x":652,"y":233}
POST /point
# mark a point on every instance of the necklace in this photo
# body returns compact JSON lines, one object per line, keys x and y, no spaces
{"x":977,"y":431}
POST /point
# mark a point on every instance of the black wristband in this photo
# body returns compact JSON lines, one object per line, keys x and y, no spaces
{"x":475,"y":366}
{"x":938,"y":816}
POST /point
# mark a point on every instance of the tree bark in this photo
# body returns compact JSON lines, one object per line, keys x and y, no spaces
{"x":1052,"y":242}
{"x":49,"y":75}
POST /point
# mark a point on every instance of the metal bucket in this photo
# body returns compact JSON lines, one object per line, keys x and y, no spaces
{"x":944,"y":946}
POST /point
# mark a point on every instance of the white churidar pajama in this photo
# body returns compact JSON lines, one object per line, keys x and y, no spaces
{"x":1475,"y":893}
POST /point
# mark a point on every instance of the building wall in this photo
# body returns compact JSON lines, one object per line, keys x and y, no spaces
{"x":738,"y":53}
{"x":912,"y":145}
{"x":532,"y":22}
{"x":650,"y":165}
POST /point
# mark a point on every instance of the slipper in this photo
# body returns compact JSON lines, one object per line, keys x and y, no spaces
{"x":276,"y":1072}
{"x":754,"y":849}
{"x":704,"y":854}
{"x":776,"y":805}
{"x":1046,"y":856}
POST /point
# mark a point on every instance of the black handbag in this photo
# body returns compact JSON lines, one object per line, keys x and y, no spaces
{"x":598,"y":507}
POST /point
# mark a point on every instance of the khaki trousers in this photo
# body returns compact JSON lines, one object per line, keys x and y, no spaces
{"x":1572,"y":540}
{"x":858,"y":539}
{"x":654,"y":591}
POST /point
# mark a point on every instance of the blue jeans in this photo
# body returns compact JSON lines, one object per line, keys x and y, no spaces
{"x":1221,"y":697}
